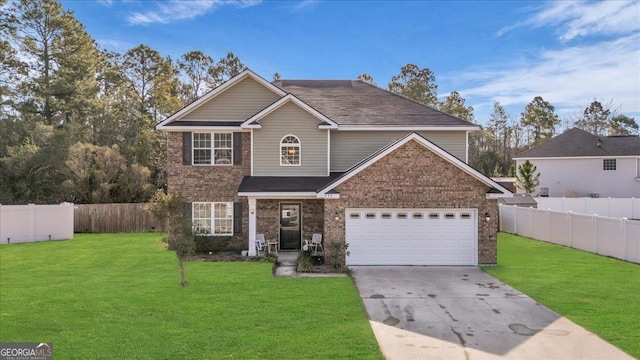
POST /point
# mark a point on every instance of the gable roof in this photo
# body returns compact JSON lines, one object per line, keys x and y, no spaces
{"x":496,"y":190}
{"x":342,"y":104}
{"x":217,"y":91}
{"x":579,"y":143}
{"x":356,"y":103}
{"x":252,"y":122}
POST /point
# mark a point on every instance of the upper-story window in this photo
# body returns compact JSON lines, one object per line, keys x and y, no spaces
{"x":609,"y":164}
{"x":216,"y":152}
{"x":290,"y":151}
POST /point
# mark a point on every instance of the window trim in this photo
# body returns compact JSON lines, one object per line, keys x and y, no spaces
{"x":548,"y":191}
{"x":212,"y":148}
{"x":609,"y":164}
{"x":212,"y":217}
{"x":291,"y":145}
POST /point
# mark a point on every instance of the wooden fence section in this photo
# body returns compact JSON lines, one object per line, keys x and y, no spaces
{"x":113,"y":218}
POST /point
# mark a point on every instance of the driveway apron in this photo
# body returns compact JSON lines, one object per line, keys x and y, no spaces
{"x":429,"y":312}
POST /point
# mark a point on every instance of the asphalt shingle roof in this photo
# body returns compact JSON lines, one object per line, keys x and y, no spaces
{"x":285,"y":183}
{"x":576,"y":142}
{"x":354,"y":102}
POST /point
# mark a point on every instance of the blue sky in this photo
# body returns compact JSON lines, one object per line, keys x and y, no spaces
{"x":510,"y":51}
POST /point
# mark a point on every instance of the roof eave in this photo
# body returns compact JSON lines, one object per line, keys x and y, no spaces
{"x":408,"y":128}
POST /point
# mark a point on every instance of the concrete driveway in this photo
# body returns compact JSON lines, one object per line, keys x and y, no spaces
{"x":426,"y":312}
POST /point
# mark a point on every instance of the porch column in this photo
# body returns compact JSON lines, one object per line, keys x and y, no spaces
{"x":252,"y":226}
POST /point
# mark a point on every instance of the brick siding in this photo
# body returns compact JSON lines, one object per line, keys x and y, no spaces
{"x":414,"y":177}
{"x":210,"y":183}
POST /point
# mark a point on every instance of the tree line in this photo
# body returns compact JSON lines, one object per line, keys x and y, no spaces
{"x":77,"y":123}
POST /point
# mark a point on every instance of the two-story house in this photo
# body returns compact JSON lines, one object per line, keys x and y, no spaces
{"x":579,"y":164}
{"x":342,"y":158}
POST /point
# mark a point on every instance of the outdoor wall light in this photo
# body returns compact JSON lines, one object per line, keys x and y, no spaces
{"x":487,"y":216}
{"x":252,"y":211}
{"x":336,"y":215}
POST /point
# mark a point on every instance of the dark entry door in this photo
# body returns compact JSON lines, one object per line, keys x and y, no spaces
{"x":290,"y":226}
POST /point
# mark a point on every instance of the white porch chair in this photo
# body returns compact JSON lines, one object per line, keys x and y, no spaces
{"x":315,"y":244}
{"x":260,"y":244}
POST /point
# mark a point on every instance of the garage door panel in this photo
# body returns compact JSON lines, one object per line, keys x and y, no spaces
{"x":411,"y":236}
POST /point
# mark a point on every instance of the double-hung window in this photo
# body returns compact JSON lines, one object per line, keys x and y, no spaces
{"x":212,"y":148}
{"x":213,"y":218}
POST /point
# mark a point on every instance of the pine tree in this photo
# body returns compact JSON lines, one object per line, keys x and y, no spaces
{"x":416,"y":84}
{"x":540,"y":117}
{"x":528,"y":177}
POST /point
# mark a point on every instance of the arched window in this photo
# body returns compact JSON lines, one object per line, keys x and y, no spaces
{"x":290,"y":151}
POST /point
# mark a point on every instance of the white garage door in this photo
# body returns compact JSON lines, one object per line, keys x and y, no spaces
{"x":411,"y":237}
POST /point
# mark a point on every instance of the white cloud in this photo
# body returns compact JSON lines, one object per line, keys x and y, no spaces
{"x":174,"y":10}
{"x":581,"y":19}
{"x":604,"y":64}
{"x":569,"y":78}
{"x":114,"y":44}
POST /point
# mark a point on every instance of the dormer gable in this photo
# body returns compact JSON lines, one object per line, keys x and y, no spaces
{"x":254,"y":121}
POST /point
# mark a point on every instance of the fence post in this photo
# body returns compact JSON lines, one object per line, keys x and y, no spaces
{"x":623,"y":223}
{"x":32,"y":222}
{"x":530,"y":221}
{"x":515,"y":220}
{"x":594,"y":220}
{"x":570,"y":228}
{"x":548,"y":225}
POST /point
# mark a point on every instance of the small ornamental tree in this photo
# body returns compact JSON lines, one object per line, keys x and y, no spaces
{"x":528,"y":177}
{"x":168,"y":211}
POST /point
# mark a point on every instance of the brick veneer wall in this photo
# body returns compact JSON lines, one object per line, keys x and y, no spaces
{"x":268,"y":217}
{"x":414,"y":177}
{"x":210,"y":183}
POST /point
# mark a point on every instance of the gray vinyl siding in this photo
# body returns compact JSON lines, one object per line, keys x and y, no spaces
{"x":239,"y":102}
{"x":289,"y":119}
{"x":350,"y":147}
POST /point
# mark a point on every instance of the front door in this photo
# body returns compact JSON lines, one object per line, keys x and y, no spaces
{"x":290,"y":226}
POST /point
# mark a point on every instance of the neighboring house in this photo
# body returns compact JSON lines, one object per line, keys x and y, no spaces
{"x":579,"y":164}
{"x":343,"y":158}
{"x":508,"y":183}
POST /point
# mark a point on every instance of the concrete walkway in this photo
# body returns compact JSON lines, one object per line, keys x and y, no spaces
{"x":287,"y":263}
{"x":422,"y":312}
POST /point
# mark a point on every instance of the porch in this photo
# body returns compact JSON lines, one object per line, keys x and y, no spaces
{"x":288,"y":220}
{"x":286,"y":209}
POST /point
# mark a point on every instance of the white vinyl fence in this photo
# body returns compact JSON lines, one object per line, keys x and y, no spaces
{"x":611,"y":207}
{"x":31,"y":223}
{"x":615,"y":237}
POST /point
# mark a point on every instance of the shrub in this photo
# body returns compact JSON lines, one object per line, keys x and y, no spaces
{"x":269,"y":257}
{"x":336,"y":253}
{"x":205,"y":244}
{"x":305,"y":263}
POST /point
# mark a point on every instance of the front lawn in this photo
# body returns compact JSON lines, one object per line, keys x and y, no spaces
{"x":116,"y":296}
{"x":599,"y":293}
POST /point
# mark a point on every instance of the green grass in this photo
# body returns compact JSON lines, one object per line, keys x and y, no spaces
{"x":599,"y":293}
{"x":117,"y":296}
